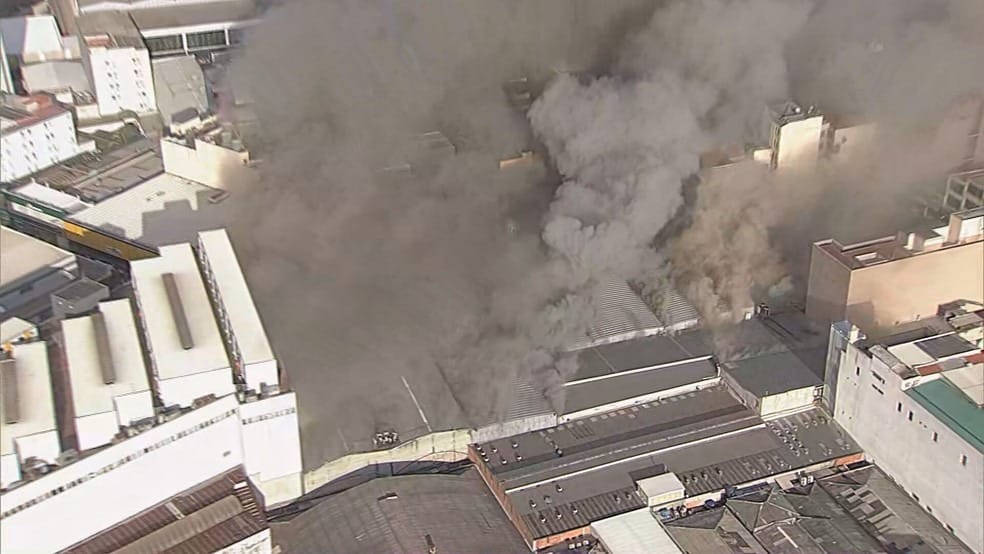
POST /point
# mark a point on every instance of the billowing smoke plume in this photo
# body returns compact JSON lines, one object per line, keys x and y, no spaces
{"x":379,"y":262}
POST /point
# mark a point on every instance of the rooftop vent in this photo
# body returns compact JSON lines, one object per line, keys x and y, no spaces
{"x":8,"y":384}
{"x":102,"y":348}
{"x":177,"y":311}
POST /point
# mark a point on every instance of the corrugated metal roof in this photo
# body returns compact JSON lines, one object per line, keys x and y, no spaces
{"x":634,"y":532}
{"x":620,"y":315}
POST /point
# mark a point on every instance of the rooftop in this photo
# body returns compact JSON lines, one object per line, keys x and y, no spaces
{"x":707,"y":438}
{"x":634,"y":532}
{"x":179,"y":84}
{"x":53,"y":76}
{"x":31,"y":396}
{"x":887,"y":513}
{"x":456,"y":513}
{"x":164,"y":209}
{"x":170,"y":321}
{"x":621,"y":315}
{"x":231,"y":287}
{"x":229,"y":11}
{"x":954,"y":408}
{"x":15,"y":328}
{"x":109,"y":29}
{"x":17,"y":112}
{"x":207,"y":518}
{"x":714,"y":531}
{"x":122,"y":159}
{"x":50,"y":197}
{"x":24,"y":255}
{"x":770,"y":374}
{"x":84,"y":358}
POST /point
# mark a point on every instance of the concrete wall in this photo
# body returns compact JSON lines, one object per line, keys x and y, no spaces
{"x":826,"y":293}
{"x":446,"y":446}
{"x":787,"y":402}
{"x":206,"y":163}
{"x":799,"y":143}
{"x":876,"y":414}
{"x":884,"y":295}
{"x":272,"y":446}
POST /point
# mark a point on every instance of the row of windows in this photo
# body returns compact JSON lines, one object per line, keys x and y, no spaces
{"x":936,"y":436}
{"x":118,"y":463}
{"x":271,"y":415}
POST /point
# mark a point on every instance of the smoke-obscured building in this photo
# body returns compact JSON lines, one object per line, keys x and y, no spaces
{"x":964,"y":191}
{"x":884,"y":282}
{"x":914,"y":400}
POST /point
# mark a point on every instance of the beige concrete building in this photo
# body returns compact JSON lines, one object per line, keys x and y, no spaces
{"x":884,"y":282}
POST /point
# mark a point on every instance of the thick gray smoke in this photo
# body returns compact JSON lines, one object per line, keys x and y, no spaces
{"x":381,"y":264}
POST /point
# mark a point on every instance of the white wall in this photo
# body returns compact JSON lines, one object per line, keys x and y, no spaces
{"x":264,"y":372}
{"x":121,"y":480}
{"x":35,"y":147}
{"x":186,"y":389}
{"x":206,"y":163}
{"x":905,"y":449}
{"x":272,"y":446}
{"x":799,"y":143}
{"x":796,"y":399}
{"x":122,"y":80}
{"x":96,"y":430}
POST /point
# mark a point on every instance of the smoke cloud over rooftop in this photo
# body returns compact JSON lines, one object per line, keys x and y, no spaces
{"x":386,"y":261}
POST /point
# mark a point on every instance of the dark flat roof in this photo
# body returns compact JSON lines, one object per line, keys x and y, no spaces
{"x":622,"y":386}
{"x":638,"y":353}
{"x":772,"y":373}
{"x":708,"y":439}
{"x":396,"y":514}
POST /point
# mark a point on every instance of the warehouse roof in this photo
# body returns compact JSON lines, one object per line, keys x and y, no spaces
{"x":207,"y":518}
{"x":228,"y":11}
{"x":231,"y":288}
{"x":714,"y":531}
{"x":634,"y":532}
{"x":772,"y":374}
{"x":456,"y":513}
{"x":166,"y":319}
{"x":90,"y":394}
{"x":24,"y":255}
{"x":164,"y":209}
{"x":707,"y":438}
{"x":887,"y":513}
{"x":32,"y":397}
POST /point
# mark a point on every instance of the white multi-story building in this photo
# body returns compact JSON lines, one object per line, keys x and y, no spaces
{"x":794,"y":135}
{"x":118,"y":64}
{"x":35,"y":132}
{"x":109,"y":382}
{"x":915,"y":404}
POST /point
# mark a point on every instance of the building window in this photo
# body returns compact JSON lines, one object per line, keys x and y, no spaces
{"x":857,"y":371}
{"x":899,"y":407}
{"x":915,"y":497}
{"x":936,"y":437}
{"x":910,"y":415}
{"x":929,"y":509}
{"x":949,"y":527}
{"x":963,"y":460}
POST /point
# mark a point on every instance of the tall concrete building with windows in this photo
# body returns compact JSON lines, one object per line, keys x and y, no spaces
{"x":914,"y":401}
{"x":118,"y":63}
{"x":35,"y":133}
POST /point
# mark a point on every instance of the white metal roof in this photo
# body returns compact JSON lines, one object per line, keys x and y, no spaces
{"x":634,"y":532}
{"x":621,"y":315}
{"x":910,"y":354}
{"x":660,"y":485}
{"x":35,"y":405}
{"x":52,"y":197}
{"x":14,"y":328}
{"x":127,"y":213}
{"x":179,"y":84}
{"x":234,"y":294}
{"x":171,"y":360}
{"x":89,"y":394}
{"x":22,"y":255}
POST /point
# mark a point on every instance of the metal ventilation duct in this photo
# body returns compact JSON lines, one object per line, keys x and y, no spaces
{"x":102,"y":348}
{"x":8,"y":387}
{"x":177,"y":311}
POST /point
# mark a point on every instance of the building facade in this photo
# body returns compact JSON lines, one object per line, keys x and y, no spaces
{"x":36,"y":133}
{"x":881,"y":283}
{"x":912,"y":406}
